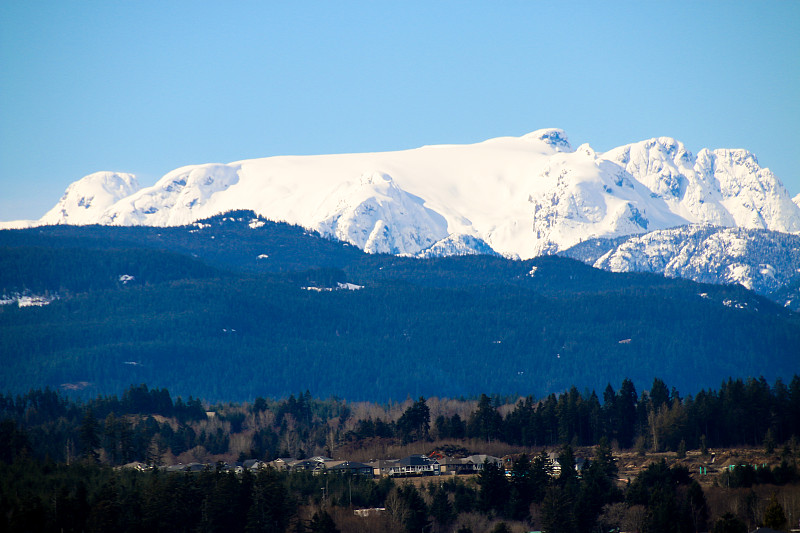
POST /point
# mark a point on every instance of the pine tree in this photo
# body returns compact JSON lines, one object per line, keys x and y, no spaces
{"x":774,"y":517}
{"x":441,"y":509}
{"x":728,"y":523}
{"x":485,"y":422}
{"x":415,"y":422}
{"x":558,"y":514}
{"x":494,"y":490}
{"x":522,"y":488}
{"x":769,"y":442}
{"x":89,"y":436}
{"x":322,"y":522}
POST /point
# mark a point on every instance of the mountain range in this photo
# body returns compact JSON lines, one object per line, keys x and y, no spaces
{"x":520,"y":196}
{"x":715,"y":217}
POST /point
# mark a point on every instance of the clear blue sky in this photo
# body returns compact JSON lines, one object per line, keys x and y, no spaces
{"x":145,"y":86}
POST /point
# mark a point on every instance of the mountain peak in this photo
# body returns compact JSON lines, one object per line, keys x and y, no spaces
{"x":555,"y":137}
{"x":86,"y":199}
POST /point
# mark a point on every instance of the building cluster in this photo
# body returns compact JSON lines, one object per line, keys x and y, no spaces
{"x":414,"y":465}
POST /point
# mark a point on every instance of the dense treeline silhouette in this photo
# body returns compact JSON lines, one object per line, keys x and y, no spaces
{"x":80,"y":492}
{"x":146,"y":425}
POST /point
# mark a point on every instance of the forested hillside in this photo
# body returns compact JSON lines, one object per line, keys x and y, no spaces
{"x":198,"y":311}
{"x":148,"y":425}
{"x":56,"y":457}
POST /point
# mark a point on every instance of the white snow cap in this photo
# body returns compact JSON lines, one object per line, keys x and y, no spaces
{"x":86,"y":199}
{"x":519,"y":196}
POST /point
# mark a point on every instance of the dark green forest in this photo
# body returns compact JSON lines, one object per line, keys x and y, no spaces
{"x":223,"y":309}
{"x":148,"y":425}
{"x":60,"y":458}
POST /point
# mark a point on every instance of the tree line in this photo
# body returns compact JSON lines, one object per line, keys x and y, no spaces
{"x":147,"y":425}
{"x":57,"y":454}
{"x":525,"y":493}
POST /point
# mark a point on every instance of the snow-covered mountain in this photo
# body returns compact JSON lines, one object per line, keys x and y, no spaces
{"x":719,"y":187}
{"x":519,"y":196}
{"x":761,"y":260}
{"x":85,"y":201}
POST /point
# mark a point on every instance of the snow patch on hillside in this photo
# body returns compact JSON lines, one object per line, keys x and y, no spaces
{"x":339,"y":287}
{"x":27,"y":300}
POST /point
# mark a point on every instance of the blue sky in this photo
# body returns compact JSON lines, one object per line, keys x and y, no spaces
{"x":146,"y":87}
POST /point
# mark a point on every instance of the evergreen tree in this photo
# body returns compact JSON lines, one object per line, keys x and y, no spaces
{"x":105,"y":512}
{"x":494,"y":488}
{"x":415,"y":422}
{"x":681,"y":453}
{"x":597,"y":487}
{"x":625,"y":406}
{"x":13,"y":441}
{"x":322,"y":522}
{"x":729,"y":523}
{"x":774,"y":517}
{"x":769,"y":442}
{"x":271,"y":508}
{"x":659,"y":395}
{"x":566,"y":460}
{"x":501,"y":527}
{"x":413,"y":512}
{"x":558,"y":511}
{"x":541,"y":475}
{"x":485,"y":422}
{"x":441,"y":509}
{"x":89,"y":434}
{"x":523,"y":488}
{"x":662,"y":511}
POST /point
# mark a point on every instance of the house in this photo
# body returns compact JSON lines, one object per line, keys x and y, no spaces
{"x":381,"y":467}
{"x":136,"y":465}
{"x":369,"y":512}
{"x":191,"y":467}
{"x":282,"y":463}
{"x":415,"y":465}
{"x":475,"y":462}
{"x":311,"y":465}
{"x":236,"y":468}
{"x":452,"y":465}
{"x":348,"y":467}
{"x":253,"y":464}
{"x":579,"y":464}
